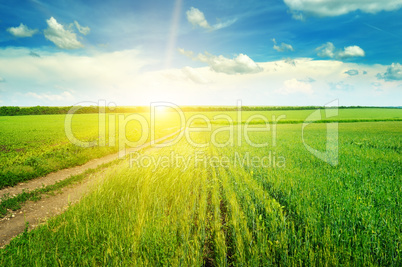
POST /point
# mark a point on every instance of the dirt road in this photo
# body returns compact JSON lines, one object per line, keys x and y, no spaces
{"x":38,"y":212}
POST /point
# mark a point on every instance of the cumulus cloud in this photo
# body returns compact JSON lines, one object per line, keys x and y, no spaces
{"x":197,"y":19}
{"x":282,"y":47}
{"x":241,"y":64}
{"x":352,"y":72}
{"x":328,"y":50}
{"x":122,"y":77}
{"x":295,"y":86}
{"x":393,"y":73}
{"x":22,"y":31}
{"x":330,"y":8}
{"x":351,"y":51}
{"x":108,"y":75}
{"x":62,"y":38}
{"x":50,"y":97}
{"x":81,"y":29}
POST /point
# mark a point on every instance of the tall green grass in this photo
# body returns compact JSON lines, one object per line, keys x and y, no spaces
{"x":33,"y":146}
{"x":306,"y":212}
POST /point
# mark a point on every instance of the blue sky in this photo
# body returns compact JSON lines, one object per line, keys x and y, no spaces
{"x":272,"y":52}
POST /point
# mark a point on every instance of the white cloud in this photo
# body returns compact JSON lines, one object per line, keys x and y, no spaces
{"x":340,"y":86}
{"x":22,"y":31}
{"x":290,"y":61}
{"x":224,"y":24}
{"x":351,"y":51}
{"x":109,"y":75}
{"x":352,"y":72}
{"x":283,"y":47}
{"x":393,"y":73}
{"x":241,"y":64}
{"x":194,"y":75}
{"x":330,"y":8}
{"x":81,"y":29}
{"x":120,"y":77}
{"x":328,"y":50}
{"x":50,"y":97}
{"x":293,"y":86}
{"x":189,"y":54}
{"x":62,"y":38}
{"x":197,"y":19}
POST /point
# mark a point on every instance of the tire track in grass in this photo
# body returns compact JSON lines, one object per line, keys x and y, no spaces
{"x":54,"y":177}
{"x":224,"y":218}
{"x":209,"y":257}
{"x":225,"y":244}
{"x":217,"y":243}
{"x":236,"y":232}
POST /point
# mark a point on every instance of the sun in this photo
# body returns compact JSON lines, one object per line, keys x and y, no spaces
{"x":161,"y":110}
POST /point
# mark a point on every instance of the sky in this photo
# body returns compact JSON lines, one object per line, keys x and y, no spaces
{"x":267,"y":52}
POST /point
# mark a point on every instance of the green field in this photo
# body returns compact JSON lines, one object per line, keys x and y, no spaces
{"x":232,"y":205}
{"x":32,"y":146}
{"x":298,"y":116}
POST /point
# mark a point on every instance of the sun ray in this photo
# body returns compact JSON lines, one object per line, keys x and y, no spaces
{"x":173,"y":33}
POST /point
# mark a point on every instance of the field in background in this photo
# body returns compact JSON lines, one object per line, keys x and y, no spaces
{"x":299,"y":116}
{"x":304,"y":212}
{"x":35,"y":145}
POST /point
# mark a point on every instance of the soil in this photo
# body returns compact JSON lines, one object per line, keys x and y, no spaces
{"x":38,"y":212}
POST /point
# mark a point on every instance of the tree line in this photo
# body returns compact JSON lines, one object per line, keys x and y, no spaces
{"x":45,"y":110}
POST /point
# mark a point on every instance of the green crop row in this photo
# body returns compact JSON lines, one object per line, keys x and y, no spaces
{"x":237,"y":205}
{"x":33,"y":146}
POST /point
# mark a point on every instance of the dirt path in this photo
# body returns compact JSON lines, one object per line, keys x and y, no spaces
{"x":53,"y":177}
{"x":38,"y":212}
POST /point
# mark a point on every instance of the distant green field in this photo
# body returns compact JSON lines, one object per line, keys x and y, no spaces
{"x":294,"y":210}
{"x":286,"y":116}
{"x":35,"y":145}
{"x":32,"y":146}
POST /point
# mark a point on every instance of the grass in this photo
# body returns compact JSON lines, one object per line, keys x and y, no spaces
{"x":304,"y":212}
{"x":33,"y":146}
{"x":289,"y":116}
{"x":14,"y":202}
